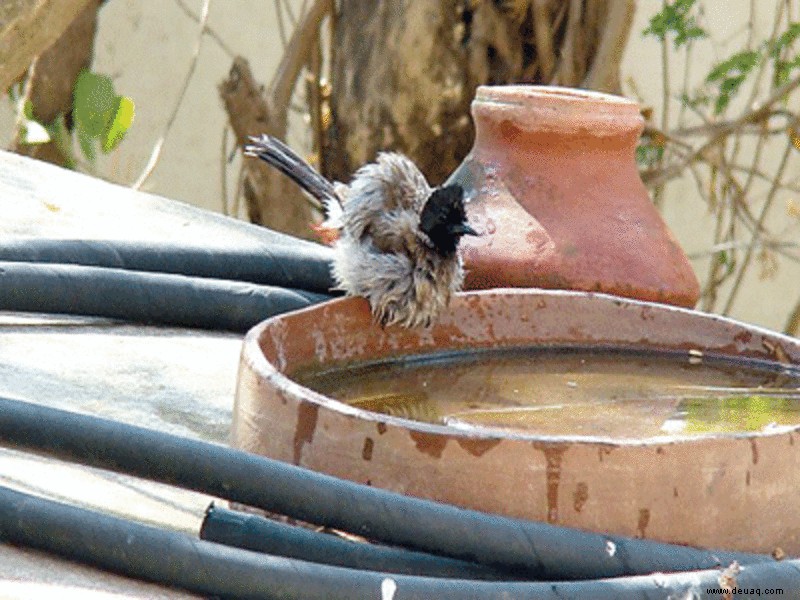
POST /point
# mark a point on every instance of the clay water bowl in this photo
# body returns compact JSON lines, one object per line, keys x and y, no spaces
{"x":714,"y":489}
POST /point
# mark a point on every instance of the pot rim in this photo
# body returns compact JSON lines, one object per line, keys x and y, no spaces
{"x":516,"y":93}
{"x":558,"y":109}
{"x":256,"y":359}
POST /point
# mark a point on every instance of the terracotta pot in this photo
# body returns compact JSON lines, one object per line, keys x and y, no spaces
{"x":557,"y":195}
{"x":736,"y":491}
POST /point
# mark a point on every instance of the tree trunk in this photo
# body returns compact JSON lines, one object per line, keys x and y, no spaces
{"x":404,"y":72}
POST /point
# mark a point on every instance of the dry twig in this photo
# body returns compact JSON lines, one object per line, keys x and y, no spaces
{"x":156,"y":153}
{"x":658,"y":176}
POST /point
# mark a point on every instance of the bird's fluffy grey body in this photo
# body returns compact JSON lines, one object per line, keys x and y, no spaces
{"x":383,"y":255}
{"x":381,"y":252}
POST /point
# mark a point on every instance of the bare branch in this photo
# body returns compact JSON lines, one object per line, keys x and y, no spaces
{"x":295,"y":56}
{"x":270,"y":198}
{"x":792,"y":326}
{"x":565,"y":72}
{"x":780,"y":247}
{"x":757,"y":234}
{"x":543,"y":34}
{"x":750,"y":116}
{"x":281,"y":25}
{"x":156,"y":154}
{"x":208,"y":30}
{"x":604,"y":72}
{"x":715,"y":128}
{"x":223,"y":171}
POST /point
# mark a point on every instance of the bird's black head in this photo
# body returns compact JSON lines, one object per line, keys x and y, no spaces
{"x":444,"y":220}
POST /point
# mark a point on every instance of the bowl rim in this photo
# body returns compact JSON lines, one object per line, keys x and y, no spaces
{"x":255,"y":358}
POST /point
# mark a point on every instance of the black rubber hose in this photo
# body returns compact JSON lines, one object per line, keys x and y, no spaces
{"x":530,"y":550}
{"x":254,"y":532}
{"x":156,"y":298}
{"x":175,"y":559}
{"x":280,"y":260}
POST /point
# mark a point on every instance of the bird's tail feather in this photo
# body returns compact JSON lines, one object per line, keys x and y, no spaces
{"x":287,"y":161}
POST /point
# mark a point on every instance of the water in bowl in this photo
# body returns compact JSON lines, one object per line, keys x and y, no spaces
{"x":566,"y":391}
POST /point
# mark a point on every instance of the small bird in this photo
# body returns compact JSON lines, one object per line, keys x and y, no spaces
{"x":395,"y":238}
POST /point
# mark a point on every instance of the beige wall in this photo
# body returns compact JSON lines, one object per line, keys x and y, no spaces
{"x":765,"y":302}
{"x":146,"y":45}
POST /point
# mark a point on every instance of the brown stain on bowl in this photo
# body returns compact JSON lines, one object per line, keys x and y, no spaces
{"x":446,"y":334}
{"x":366,"y":451}
{"x":644,"y":521}
{"x":553,"y":455}
{"x":754,"y":451}
{"x":431,"y":444}
{"x":476,"y":446}
{"x":604,"y":451}
{"x":307,"y":414}
{"x":580,"y":496}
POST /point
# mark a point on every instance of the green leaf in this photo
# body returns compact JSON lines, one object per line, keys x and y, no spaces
{"x":63,"y":139}
{"x":740,"y":63}
{"x":785,"y":39}
{"x":727,"y":90}
{"x":730,"y":85}
{"x":648,"y":154}
{"x":101,"y":116}
{"x":691,"y":32}
{"x":93,"y":102}
{"x":784,"y":68}
{"x":698,"y":98}
{"x":726,"y":260}
{"x":675,"y":18}
{"x":119,"y":124}
{"x":87,"y":144}
{"x":27,"y":109}
{"x":730,"y":74}
{"x":14,"y":92}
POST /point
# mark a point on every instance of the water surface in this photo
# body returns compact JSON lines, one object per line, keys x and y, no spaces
{"x":618,"y":393}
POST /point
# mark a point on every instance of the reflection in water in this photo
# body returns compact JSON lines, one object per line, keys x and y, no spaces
{"x":574,"y":392}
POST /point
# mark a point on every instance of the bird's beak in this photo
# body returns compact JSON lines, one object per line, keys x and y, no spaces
{"x":464,"y":229}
